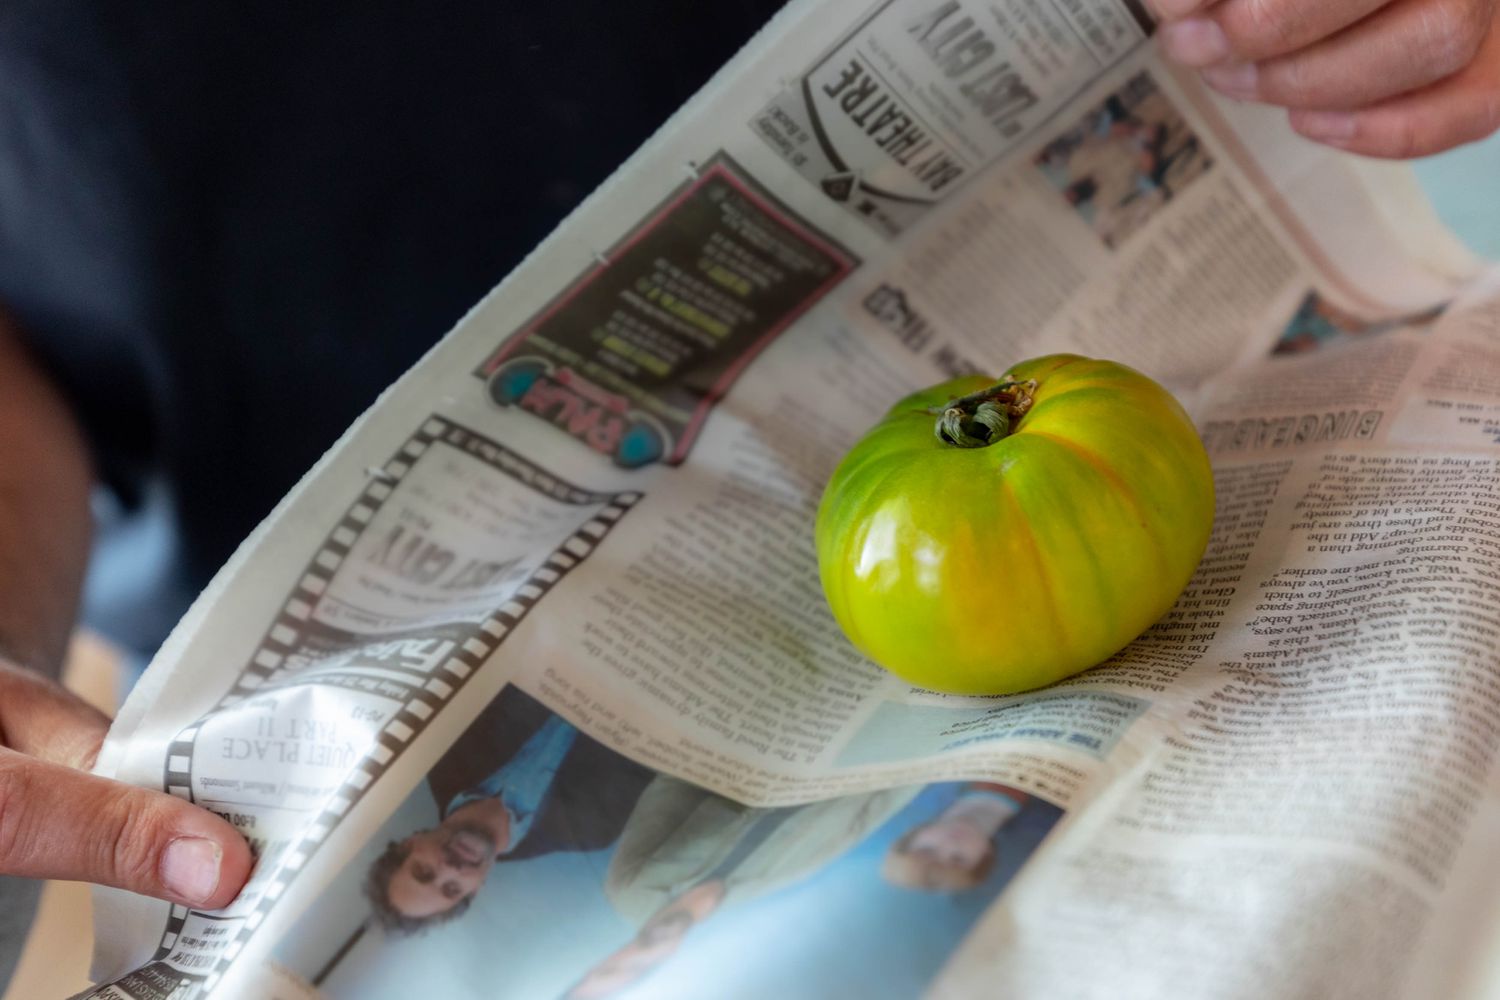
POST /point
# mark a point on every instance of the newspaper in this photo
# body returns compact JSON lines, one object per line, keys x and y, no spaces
{"x":529,"y":689}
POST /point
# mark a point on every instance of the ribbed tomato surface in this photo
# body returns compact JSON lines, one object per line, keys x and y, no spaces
{"x":1005,"y":567}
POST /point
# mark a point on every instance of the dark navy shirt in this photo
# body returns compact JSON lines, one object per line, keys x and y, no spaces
{"x":225,"y":227}
{"x":587,"y":801}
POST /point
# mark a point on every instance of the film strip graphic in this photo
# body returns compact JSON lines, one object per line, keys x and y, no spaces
{"x":425,"y":699}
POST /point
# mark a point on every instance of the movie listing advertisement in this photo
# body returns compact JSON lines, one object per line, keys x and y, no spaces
{"x":632,"y":357}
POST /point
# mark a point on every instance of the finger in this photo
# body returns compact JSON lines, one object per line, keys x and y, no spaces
{"x":1463,"y":108}
{"x":1406,"y":46}
{"x":40,"y":718}
{"x":1250,"y":30}
{"x":56,"y":822}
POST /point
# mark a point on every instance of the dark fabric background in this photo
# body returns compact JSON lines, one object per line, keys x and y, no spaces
{"x":227,"y":226}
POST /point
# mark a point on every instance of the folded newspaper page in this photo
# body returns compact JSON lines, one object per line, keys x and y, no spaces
{"x":529,"y":689}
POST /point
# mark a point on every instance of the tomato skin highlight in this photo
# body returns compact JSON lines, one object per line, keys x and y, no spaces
{"x":1004,"y":568}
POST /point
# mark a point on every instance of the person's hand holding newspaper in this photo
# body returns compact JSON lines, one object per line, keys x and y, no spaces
{"x":1391,"y":78}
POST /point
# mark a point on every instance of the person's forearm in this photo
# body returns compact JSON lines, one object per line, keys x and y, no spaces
{"x":45,"y":520}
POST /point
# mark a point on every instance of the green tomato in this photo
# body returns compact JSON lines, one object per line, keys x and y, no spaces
{"x":990,"y":539}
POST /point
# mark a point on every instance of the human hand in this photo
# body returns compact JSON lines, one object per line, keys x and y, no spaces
{"x":1387,"y":78}
{"x":57,"y":821}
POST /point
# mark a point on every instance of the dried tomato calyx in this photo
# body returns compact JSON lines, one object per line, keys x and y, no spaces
{"x":980,"y":419}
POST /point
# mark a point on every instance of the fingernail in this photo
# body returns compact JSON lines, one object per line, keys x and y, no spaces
{"x":190,"y":868}
{"x":1172,"y":9}
{"x":1328,"y":126}
{"x":1237,"y":80}
{"x":1195,"y":42}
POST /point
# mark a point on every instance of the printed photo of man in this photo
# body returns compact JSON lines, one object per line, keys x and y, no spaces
{"x":584,"y":876}
{"x":520,"y":782}
{"x":956,"y":850}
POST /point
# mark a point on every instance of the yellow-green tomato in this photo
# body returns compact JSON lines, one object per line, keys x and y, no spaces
{"x":990,"y":538}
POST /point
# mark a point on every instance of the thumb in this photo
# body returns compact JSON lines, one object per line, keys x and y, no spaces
{"x":56,"y":822}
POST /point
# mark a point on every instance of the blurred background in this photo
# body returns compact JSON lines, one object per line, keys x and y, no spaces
{"x":1463,"y":186}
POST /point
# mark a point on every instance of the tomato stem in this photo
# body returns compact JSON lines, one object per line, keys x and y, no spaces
{"x":980,"y":419}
